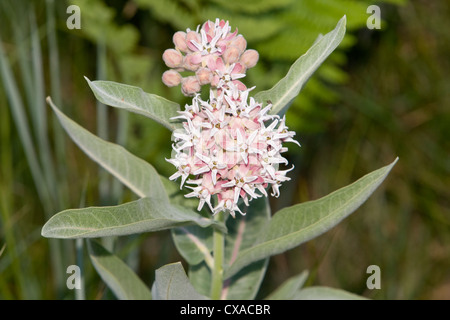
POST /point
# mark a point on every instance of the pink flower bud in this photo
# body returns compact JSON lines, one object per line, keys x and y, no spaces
{"x":231,"y":55}
{"x":190,"y":85}
{"x":249,"y":58}
{"x":179,"y":39}
{"x":192,"y":61}
{"x":171,"y":78}
{"x":240,"y":43}
{"x":172,"y":58}
{"x":204,"y":76}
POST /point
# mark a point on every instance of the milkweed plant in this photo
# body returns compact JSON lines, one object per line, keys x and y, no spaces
{"x":227,"y":155}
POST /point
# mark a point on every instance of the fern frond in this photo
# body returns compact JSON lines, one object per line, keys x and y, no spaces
{"x":170,"y":11}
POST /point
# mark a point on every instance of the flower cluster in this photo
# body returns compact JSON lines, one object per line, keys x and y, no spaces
{"x":212,"y":52}
{"x":230,"y":146}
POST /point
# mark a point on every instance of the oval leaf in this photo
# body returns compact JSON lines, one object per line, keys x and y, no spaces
{"x":134,"y":99}
{"x":143,"y":215}
{"x":284,"y":92}
{"x":171,"y":283}
{"x":294,"y":225}
{"x":120,"y":278}
{"x":132,"y":171}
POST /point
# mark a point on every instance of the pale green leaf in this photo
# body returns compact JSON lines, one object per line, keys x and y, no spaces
{"x":289,"y":288}
{"x":143,"y":215}
{"x":132,"y":171}
{"x":194,"y":244}
{"x":325,"y":293}
{"x":297,"y":224}
{"x":201,"y":278}
{"x":120,"y":278}
{"x":242,"y":234}
{"x":134,"y":99}
{"x":171,"y":283}
{"x":286,"y":90}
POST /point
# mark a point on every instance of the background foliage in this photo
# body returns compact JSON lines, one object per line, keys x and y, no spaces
{"x":382,"y":93}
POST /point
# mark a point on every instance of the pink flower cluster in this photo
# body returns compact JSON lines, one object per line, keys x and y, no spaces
{"x":212,"y":52}
{"x":230,"y":146}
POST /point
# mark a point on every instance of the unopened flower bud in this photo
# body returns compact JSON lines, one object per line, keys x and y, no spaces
{"x":171,"y":78}
{"x":179,"y":39}
{"x":204,"y":76}
{"x":192,"y":61}
{"x":249,"y":58}
{"x":231,"y":55}
{"x":240,"y":43}
{"x":172,"y":58}
{"x":190,"y":86}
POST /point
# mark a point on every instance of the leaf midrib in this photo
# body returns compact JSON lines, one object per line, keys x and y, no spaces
{"x":301,"y":78}
{"x":275,"y":108}
{"x":169,"y":285}
{"x":144,"y":111}
{"x":115,"y":227}
{"x":113,"y":98}
{"x":127,"y":182}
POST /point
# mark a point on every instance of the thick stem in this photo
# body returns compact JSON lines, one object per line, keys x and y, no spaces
{"x":217,"y":272}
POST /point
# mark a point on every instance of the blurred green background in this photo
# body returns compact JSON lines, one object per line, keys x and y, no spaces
{"x":384,"y":93}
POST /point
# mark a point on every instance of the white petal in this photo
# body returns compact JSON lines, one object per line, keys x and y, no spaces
{"x":183,"y":179}
{"x":229,"y":184}
{"x":262,"y":189}
{"x":175,"y":176}
{"x":203,"y":157}
{"x":202,"y":170}
{"x":237,"y":190}
{"x":214,"y":176}
{"x":249,"y":191}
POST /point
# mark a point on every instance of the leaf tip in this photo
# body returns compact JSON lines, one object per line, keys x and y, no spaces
{"x":51,"y":104}
{"x":44,"y":231}
{"x":393,"y":163}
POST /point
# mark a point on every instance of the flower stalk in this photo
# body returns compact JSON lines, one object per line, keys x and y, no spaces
{"x":218,"y":247}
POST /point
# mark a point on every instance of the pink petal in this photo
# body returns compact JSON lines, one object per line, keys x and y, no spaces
{"x":240,"y":85}
{"x":237,"y":68}
{"x":231,"y":35}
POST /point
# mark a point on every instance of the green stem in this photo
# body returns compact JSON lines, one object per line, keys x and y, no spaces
{"x":80,"y":293}
{"x":217,"y":272}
